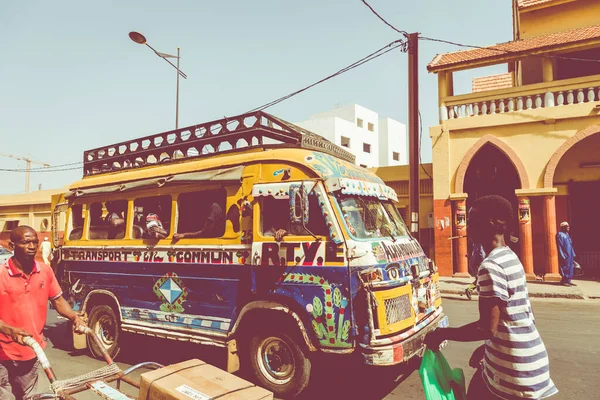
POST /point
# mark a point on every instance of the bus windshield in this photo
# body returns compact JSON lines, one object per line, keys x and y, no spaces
{"x":371,"y":218}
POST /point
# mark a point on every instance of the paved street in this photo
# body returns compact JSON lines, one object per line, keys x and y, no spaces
{"x":569,"y":328}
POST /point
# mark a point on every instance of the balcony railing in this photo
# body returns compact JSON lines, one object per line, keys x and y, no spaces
{"x":522,"y":98}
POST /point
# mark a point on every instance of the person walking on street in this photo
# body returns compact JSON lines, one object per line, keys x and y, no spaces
{"x":513,"y":362}
{"x":566,"y":254}
{"x":26,"y":286}
{"x":477,"y":256}
{"x":46,"y":249}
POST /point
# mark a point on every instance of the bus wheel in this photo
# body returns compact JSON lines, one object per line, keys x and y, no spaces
{"x":105,"y":325}
{"x":278,"y":363}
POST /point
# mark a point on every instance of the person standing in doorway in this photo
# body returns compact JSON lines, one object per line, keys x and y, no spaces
{"x":566,"y":254}
{"x":46,"y":249}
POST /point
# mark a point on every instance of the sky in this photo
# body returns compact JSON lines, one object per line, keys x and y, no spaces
{"x":72,"y":80}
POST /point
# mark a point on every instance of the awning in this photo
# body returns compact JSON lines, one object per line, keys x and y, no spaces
{"x":215,"y":175}
{"x":361,"y":188}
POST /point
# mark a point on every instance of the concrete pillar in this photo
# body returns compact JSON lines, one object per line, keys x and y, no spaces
{"x":526,"y":237}
{"x":442,"y":211}
{"x":549,"y":212}
{"x":547,"y":69}
{"x":460,"y":231}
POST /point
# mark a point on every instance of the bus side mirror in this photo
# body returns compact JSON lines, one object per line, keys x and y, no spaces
{"x":298,"y":204}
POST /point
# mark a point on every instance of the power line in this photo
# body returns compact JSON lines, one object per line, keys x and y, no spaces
{"x":384,"y":21}
{"x":39,"y":170}
{"x":378,"y":53}
{"x":42,"y":169}
{"x":492,"y":48}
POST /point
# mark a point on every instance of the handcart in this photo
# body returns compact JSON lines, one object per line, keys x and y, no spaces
{"x":96,"y":381}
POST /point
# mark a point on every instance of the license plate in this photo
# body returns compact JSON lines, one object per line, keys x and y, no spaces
{"x":443,"y":323}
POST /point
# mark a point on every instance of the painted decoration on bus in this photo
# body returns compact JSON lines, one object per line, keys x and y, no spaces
{"x":328,"y":310}
{"x":331,"y":167}
{"x":172,"y":292}
{"x":305,"y":253}
{"x":238,"y":256}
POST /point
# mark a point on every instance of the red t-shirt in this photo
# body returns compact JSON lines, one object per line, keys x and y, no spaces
{"x":24,"y":304}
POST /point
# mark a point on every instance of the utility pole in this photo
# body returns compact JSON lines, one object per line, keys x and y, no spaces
{"x":28,"y":161}
{"x":413,"y":133}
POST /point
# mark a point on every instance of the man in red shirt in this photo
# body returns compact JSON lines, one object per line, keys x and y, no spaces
{"x":25,"y":288}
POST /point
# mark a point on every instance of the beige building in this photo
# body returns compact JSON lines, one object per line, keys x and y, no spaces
{"x":32,"y":209}
{"x":531,"y":135}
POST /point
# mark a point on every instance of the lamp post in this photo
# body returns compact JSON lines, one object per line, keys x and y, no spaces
{"x":141,"y":39}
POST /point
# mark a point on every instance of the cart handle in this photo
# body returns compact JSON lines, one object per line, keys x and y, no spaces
{"x":39,"y":352}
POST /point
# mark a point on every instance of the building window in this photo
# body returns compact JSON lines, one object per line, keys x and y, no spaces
{"x":363,"y":165}
{"x":371,"y":127}
{"x":366,"y":147}
{"x":10,"y":225}
{"x":345,"y":141}
{"x":395,"y":156}
{"x":359,"y":122}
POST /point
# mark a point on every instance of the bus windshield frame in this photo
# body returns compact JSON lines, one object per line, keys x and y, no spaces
{"x":370,"y":218}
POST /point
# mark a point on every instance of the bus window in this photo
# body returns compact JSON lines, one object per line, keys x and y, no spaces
{"x":201,"y":214}
{"x":75,"y":228}
{"x":107,"y":220}
{"x":152,"y":217}
{"x":276,"y":216}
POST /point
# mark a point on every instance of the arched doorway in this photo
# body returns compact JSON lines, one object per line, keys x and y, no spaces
{"x":577,"y":177}
{"x":492,"y":172}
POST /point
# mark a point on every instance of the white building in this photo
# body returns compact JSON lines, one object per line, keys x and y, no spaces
{"x":375,"y":141}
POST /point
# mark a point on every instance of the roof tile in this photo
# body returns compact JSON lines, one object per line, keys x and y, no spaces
{"x":493,"y":82}
{"x":447,"y":60}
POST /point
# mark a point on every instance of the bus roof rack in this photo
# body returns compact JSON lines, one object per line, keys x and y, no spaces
{"x":228,"y":135}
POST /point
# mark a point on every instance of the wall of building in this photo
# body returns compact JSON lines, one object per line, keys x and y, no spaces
{"x":586,"y":151}
{"x":384,"y":136}
{"x":559,"y":17}
{"x":393,"y":138}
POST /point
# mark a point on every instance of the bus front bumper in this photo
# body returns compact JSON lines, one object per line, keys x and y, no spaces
{"x":401,"y":348}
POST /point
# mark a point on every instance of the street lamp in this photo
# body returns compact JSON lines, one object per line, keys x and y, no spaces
{"x":141,"y":39}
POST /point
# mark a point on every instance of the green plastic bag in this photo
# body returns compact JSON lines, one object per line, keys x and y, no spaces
{"x":440,"y":382}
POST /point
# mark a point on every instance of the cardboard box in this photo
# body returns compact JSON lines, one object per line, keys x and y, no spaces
{"x":197,"y":380}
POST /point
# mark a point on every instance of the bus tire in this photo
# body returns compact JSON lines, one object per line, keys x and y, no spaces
{"x":105,"y":325}
{"x":278,"y":363}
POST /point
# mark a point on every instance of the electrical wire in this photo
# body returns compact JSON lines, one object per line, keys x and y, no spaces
{"x":39,"y":170}
{"x":52,"y":167}
{"x":384,"y":21}
{"x":378,"y":53}
{"x":492,"y":48}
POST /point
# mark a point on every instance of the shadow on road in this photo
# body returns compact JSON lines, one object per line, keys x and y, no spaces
{"x":332,"y":377}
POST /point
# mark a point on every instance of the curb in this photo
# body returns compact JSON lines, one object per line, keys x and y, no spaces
{"x":461,"y":293}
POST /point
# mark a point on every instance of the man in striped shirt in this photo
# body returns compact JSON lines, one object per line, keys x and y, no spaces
{"x":513,"y":362}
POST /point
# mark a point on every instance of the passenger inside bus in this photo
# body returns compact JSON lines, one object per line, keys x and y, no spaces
{"x":152,"y":218}
{"x":277,"y":223}
{"x":213,"y":226}
{"x":202,"y":210}
{"x":76,"y":222}
{"x":115,"y":218}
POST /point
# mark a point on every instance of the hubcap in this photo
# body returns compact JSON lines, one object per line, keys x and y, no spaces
{"x":106,"y":331}
{"x":276,"y":360}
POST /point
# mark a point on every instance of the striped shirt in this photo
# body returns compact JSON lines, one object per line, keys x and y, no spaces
{"x":516,"y":364}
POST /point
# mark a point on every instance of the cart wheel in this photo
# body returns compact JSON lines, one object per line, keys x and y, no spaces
{"x":278,"y":363}
{"x":105,"y":325}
